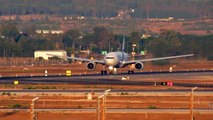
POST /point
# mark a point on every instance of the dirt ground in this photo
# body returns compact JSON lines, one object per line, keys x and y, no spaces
{"x":120,"y":100}
{"x":113,"y":101}
{"x":92,"y":116}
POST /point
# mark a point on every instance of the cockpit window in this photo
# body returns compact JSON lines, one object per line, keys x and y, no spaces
{"x":110,"y":58}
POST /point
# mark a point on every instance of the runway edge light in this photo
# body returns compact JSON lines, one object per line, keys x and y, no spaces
{"x":167,"y":83}
{"x":164,"y":83}
{"x":16,"y":82}
{"x":68,"y":72}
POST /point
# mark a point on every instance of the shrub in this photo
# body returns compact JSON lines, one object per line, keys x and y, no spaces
{"x":16,"y":106}
{"x":124,"y":93}
{"x":152,"y":107}
{"x":210,"y":57}
{"x":8,"y":93}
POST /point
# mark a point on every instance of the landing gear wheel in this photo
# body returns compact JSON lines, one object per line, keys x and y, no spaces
{"x":103,"y":72}
{"x":130,"y":71}
{"x":111,"y":72}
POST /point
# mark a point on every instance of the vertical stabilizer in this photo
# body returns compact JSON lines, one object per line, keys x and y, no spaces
{"x":123,"y":45}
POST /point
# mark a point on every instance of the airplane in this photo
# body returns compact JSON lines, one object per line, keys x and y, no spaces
{"x":119,"y":59}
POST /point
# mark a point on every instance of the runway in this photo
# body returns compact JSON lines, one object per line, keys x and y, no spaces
{"x":191,"y":79}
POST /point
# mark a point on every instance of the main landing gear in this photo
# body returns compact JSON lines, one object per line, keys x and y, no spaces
{"x":130,"y":71}
{"x":103,"y":72}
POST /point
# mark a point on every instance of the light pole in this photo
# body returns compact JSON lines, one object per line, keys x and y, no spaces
{"x":192,"y":103}
{"x":81,"y":46}
{"x":109,"y":47}
{"x":133,"y":50}
{"x":106,"y":92}
{"x":101,"y":110}
{"x":32,"y":105}
{"x":100,"y":107}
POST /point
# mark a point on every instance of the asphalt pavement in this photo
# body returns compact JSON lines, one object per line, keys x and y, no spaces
{"x":130,"y":79}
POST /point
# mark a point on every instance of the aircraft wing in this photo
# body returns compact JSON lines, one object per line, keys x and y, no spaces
{"x":155,"y":59}
{"x":87,"y":60}
{"x":80,"y":59}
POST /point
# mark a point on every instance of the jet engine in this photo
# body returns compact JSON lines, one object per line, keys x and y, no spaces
{"x":139,"y":65}
{"x":91,"y":66}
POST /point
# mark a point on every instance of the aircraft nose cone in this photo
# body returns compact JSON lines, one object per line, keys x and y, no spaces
{"x":111,"y":62}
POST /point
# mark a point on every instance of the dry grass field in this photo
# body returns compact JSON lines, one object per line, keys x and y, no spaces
{"x":113,"y":101}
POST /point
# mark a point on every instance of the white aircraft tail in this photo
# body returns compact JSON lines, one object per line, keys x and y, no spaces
{"x":123,"y":45}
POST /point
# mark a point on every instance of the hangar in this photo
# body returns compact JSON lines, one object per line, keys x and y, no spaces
{"x":46,"y":54}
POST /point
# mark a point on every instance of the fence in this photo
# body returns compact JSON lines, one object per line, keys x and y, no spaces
{"x":28,"y":61}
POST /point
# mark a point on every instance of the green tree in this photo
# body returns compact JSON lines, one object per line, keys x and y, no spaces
{"x":9,"y":30}
{"x":71,"y":38}
{"x":201,"y":46}
{"x":103,"y":37}
{"x":31,"y":45}
{"x":190,"y":44}
{"x":4,"y":48}
{"x":100,"y":39}
{"x":206,"y":46}
{"x":87,"y":40}
{"x":135,"y":37}
{"x":167,"y":44}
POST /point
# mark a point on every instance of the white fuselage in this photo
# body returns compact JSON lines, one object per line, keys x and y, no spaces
{"x":115,"y":59}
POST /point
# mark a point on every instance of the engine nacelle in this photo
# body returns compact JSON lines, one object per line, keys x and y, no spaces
{"x":91,"y":66}
{"x":139,"y":65}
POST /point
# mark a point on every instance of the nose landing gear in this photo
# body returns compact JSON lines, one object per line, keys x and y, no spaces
{"x":112,"y":70}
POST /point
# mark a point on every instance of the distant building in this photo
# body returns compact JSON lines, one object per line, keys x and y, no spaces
{"x":86,"y":51}
{"x":162,"y":19}
{"x":57,"y":32}
{"x":23,"y":17}
{"x":46,"y":54}
{"x":144,"y":36}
